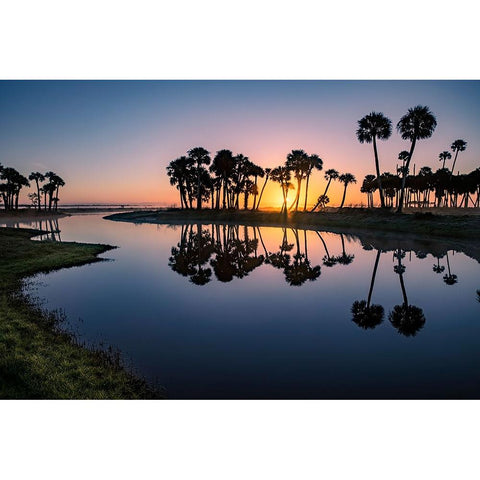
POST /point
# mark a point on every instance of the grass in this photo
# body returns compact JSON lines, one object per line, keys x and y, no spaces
{"x":347,"y":219}
{"x":37,"y":358}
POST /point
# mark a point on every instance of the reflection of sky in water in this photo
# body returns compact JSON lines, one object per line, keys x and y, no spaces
{"x":260,"y":337}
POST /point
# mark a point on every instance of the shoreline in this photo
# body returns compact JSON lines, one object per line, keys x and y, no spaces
{"x":466,"y":227}
{"x":38,"y":359}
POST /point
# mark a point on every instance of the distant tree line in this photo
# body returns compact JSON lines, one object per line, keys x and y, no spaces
{"x":45,"y":197}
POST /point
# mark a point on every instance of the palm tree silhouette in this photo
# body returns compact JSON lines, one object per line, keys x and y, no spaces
{"x":370,"y":127}
{"x":419,"y":123}
{"x":403,"y":156}
{"x":282,"y":175}
{"x":330,"y":175}
{"x":445,"y":155}
{"x":37,"y":177}
{"x":267,"y":176}
{"x":346,"y":179}
{"x":457,"y":146}
{"x":298,"y":163}
{"x":407,"y":319}
{"x":366,"y":315}
{"x":314,"y":162}
{"x":200,"y":157}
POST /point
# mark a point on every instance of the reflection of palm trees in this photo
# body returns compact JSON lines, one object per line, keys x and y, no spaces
{"x":407,"y":319}
{"x":300,"y":270}
{"x":438,"y":268}
{"x":366,"y":315}
{"x":344,"y":258}
{"x":234,"y":257}
{"x":449,"y":279}
{"x":191,"y":254}
{"x":327,"y":260}
{"x":281,"y":258}
{"x":478,"y":295}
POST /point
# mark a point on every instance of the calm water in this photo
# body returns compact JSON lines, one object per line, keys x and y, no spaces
{"x":241,"y":312}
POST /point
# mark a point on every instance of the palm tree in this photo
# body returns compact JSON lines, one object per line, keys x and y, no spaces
{"x":457,"y":146}
{"x":370,"y":127}
{"x":59,"y":182}
{"x":200,"y":157}
{"x":268,"y":171}
{"x":283,"y":175}
{"x":37,"y":177}
{"x":330,"y":175}
{"x":346,"y":179}
{"x":445,"y":155}
{"x":419,"y":123}
{"x":314,"y":162}
{"x":364,"y":314}
{"x":403,"y":156}
{"x":54,"y":184}
{"x":256,"y":171}
{"x":222,"y":166}
{"x":298,"y":163}
{"x":177,"y":170}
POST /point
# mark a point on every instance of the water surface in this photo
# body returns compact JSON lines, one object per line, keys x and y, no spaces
{"x":218,"y":311}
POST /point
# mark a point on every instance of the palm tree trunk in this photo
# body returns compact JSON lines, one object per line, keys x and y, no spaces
{"x":261,"y":192}
{"x":404,"y":176}
{"x":344,"y":194}
{"x":377,"y":167}
{"x":39,"y":206}
{"x":324,"y":194}
{"x":454,"y":161}
{"x":224,"y":193}
{"x":199,"y":193}
{"x":306,"y":192}
{"x":299,"y":183}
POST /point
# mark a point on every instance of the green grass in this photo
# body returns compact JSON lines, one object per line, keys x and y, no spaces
{"x":37,"y":358}
{"x":348,"y":219}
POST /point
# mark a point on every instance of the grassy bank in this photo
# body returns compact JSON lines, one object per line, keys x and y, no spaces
{"x":348,"y":219}
{"x":38,"y":359}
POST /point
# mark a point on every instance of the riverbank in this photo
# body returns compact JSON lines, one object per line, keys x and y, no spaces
{"x":37,"y":358}
{"x":344,"y":220}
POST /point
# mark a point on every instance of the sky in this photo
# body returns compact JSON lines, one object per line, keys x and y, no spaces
{"x":112,"y":140}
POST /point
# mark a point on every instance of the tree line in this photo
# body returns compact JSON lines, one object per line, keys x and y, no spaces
{"x":230,"y":178}
{"x":46,"y":194}
{"x":403,"y":189}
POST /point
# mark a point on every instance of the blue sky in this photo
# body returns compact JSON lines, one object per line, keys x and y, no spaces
{"x":111,"y":140}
